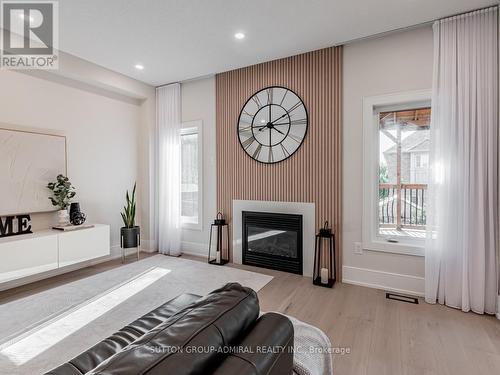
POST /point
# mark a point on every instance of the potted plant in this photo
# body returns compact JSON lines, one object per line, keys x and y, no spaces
{"x":63,"y":193}
{"x":130,"y":232}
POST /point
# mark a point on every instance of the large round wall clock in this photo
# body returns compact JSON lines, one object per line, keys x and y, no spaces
{"x":272,"y":124}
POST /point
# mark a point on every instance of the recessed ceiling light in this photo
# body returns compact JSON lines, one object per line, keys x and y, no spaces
{"x":139,"y":67}
{"x":239,"y":36}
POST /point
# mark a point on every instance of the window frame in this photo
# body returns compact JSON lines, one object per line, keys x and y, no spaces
{"x":371,"y":240}
{"x":187,"y":128}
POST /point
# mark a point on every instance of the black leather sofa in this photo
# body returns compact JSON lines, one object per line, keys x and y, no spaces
{"x":220,"y":333}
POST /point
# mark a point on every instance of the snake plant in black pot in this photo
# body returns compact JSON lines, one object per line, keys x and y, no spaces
{"x":130,"y":233}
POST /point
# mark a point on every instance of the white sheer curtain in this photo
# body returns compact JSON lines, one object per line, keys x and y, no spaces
{"x":168,"y":155}
{"x":462,"y":215}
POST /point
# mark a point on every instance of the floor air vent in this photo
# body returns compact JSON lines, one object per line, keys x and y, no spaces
{"x":399,"y":297}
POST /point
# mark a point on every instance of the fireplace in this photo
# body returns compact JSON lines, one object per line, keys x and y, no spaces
{"x":272,"y":240}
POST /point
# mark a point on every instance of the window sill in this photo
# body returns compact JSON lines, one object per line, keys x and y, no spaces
{"x":192,"y":226}
{"x":405,"y":235}
{"x":402,"y":248}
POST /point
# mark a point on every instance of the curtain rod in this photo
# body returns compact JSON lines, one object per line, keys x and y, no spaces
{"x":411,"y":27}
{"x":187,"y":80}
{"x":385,"y":33}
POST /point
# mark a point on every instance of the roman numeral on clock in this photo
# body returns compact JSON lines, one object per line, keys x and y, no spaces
{"x":270,"y":158}
{"x":285,"y":151}
{"x":301,"y":121}
{"x":295,"y":138}
{"x":284,"y":96}
{"x":244,"y":112}
{"x":295,"y":107}
{"x":257,"y":101}
{"x":257,"y":152}
{"x":246,"y":131}
{"x":248,"y":142}
{"x":269,"y":96}
{"x":245,"y":122}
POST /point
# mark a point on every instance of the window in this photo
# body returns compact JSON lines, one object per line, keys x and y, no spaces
{"x":404,"y":137}
{"x":191,"y":175}
{"x":396,"y":168}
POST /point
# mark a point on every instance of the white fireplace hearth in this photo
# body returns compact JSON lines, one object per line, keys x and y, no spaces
{"x":307,"y":210}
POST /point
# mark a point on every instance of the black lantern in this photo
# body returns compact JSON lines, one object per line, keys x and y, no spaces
{"x":221,"y":255}
{"x":324,"y":258}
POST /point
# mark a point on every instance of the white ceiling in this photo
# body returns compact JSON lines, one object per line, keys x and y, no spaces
{"x":180,"y":39}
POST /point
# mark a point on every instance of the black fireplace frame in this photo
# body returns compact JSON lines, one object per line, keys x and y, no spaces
{"x":275,"y":221}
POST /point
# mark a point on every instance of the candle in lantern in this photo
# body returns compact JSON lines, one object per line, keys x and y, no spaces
{"x":324,"y":275}
{"x":217,"y":256}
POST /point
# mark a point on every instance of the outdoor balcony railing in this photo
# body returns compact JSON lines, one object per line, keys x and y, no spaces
{"x":402,"y":206}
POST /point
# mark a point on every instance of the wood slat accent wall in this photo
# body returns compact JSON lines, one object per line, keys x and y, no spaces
{"x":313,"y":173}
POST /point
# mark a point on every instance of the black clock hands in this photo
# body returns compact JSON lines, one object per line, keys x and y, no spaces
{"x":279,"y":131}
{"x":270,"y":123}
{"x":279,"y":118}
{"x":270,"y":126}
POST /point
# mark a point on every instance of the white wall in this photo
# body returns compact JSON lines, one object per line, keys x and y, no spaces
{"x":394,"y":63}
{"x":106,"y":126}
{"x":198,"y":103}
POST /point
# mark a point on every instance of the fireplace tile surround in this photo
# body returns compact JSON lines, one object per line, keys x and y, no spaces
{"x":307,"y":210}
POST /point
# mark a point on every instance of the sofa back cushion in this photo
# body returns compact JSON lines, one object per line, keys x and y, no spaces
{"x":93,"y":357}
{"x":191,"y":341}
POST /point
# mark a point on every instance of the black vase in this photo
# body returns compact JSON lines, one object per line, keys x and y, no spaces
{"x":74,"y":207}
{"x":76,"y":217}
{"x":130,"y":237}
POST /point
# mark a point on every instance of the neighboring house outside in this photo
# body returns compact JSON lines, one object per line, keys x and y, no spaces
{"x":414,"y":171}
{"x":414,"y":159}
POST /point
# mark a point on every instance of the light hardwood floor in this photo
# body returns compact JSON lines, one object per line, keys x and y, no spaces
{"x":383,"y":336}
{"x":386,"y":336}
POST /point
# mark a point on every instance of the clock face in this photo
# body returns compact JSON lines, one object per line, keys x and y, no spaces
{"x":272,"y":124}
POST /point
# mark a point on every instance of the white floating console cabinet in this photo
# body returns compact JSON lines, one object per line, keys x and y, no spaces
{"x":30,"y":257}
{"x":27,"y":255}
{"x":83,"y":244}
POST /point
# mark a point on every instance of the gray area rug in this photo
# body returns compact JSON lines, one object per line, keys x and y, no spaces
{"x":39,"y":332}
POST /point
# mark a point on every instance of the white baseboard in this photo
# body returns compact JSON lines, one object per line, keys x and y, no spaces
{"x":392,"y":282}
{"x":194,"y":248}
{"x":115,"y":251}
{"x":498,"y":307}
{"x":148,"y":246}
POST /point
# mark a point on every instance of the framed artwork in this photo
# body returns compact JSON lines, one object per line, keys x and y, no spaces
{"x":28,"y":161}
